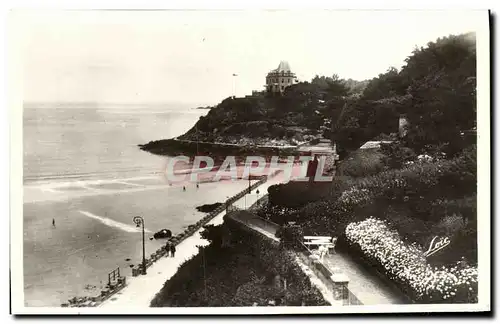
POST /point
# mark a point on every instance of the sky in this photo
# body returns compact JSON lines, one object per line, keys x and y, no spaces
{"x":190,"y":57}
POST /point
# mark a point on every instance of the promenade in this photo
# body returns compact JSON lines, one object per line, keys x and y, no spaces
{"x":142,"y":289}
{"x":366,"y":286}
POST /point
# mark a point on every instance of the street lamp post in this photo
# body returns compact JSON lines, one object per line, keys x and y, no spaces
{"x":138,"y":220}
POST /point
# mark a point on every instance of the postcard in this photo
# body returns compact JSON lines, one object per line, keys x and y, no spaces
{"x":249,"y":162}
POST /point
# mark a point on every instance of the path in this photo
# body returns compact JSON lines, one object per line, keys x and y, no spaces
{"x":269,"y":229}
{"x":367,"y":287}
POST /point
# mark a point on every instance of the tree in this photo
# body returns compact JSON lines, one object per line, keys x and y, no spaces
{"x":436,"y":89}
{"x":386,"y":85}
{"x":355,"y":87}
{"x":213,"y":234}
{"x":442,"y":92}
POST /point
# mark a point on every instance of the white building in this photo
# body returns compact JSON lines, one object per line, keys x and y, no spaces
{"x":277,"y":80}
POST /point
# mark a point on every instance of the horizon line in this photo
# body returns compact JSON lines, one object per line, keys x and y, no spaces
{"x":98,"y":103}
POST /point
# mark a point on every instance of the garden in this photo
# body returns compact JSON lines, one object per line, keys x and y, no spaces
{"x":389,"y":204}
{"x":413,"y":204}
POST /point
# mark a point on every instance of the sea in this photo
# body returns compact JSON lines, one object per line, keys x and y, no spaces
{"x":84,"y":172}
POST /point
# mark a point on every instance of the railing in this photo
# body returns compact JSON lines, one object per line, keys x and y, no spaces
{"x":113,"y":276}
{"x":116,"y":282}
{"x":340,"y":289}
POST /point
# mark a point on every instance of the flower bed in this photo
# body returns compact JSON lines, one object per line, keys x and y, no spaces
{"x":407,"y":266}
{"x":418,"y":188}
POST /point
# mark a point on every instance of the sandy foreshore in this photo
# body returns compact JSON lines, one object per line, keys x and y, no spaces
{"x":142,"y":289}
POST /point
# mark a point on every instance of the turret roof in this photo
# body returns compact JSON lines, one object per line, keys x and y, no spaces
{"x":283,"y":67}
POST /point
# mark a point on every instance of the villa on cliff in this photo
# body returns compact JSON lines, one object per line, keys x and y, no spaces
{"x":278,"y":79}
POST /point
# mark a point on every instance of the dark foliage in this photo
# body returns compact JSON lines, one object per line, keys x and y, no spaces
{"x":252,"y":270}
{"x":436,"y":90}
{"x":395,"y":155}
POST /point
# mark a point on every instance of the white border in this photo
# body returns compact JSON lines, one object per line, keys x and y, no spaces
{"x":15,"y":103}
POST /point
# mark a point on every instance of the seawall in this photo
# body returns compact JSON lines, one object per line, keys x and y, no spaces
{"x":141,"y":289}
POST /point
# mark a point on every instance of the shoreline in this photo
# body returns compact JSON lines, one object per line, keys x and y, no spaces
{"x":162,"y":206}
{"x":172,"y":147}
{"x":136,"y":294}
{"x":187,"y":235}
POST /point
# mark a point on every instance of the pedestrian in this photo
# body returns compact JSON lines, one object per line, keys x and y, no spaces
{"x":172,"y":250}
{"x":53,"y":222}
{"x":184,"y":188}
{"x":167,"y":248}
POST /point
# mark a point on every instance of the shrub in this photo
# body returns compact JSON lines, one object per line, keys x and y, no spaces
{"x":330,"y":217}
{"x":395,"y":155}
{"x":283,"y":264}
{"x":411,"y":229}
{"x":451,"y":224}
{"x":296,"y":194}
{"x":230,"y":277}
{"x":440,"y":179}
{"x":362,"y":163}
{"x":276,"y":214}
{"x":213,"y":234}
{"x":407,"y":266}
{"x":386,"y":137}
{"x":257,"y":291}
{"x":290,"y":234}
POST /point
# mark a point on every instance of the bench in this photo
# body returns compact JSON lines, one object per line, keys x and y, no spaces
{"x":327,"y":241}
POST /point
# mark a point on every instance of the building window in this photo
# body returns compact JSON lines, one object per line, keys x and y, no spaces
{"x":288,"y":80}
{"x":282,"y":88}
{"x":282,"y":80}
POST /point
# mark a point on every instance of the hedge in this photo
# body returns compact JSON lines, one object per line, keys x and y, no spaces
{"x":407,"y":266}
